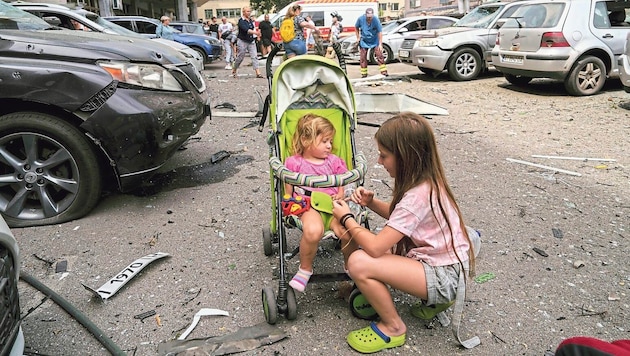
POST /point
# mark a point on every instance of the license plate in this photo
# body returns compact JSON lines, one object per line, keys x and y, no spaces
{"x":403,"y":53}
{"x":512,"y":59}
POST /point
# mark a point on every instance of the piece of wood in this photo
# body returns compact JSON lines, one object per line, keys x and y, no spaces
{"x":544,"y":167}
{"x":576,"y":158}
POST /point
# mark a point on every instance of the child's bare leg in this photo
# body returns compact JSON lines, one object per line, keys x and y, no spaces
{"x":312,"y":233}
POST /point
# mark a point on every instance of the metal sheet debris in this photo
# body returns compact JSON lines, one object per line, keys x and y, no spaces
{"x":576,"y":158}
{"x":544,"y":167}
{"x":197,"y":317}
{"x":112,"y":286}
{"x":393,"y":103}
{"x":246,"y":114}
{"x":245,"y":339}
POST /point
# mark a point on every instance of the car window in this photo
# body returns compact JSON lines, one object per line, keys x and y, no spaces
{"x":480,"y":17}
{"x":192,"y":28}
{"x":417,"y":25}
{"x":536,"y":16}
{"x":390,"y":26}
{"x":12,"y":18}
{"x":146,"y":27}
{"x":439,"y":23}
{"x":110,"y":25}
{"x":125,"y":23}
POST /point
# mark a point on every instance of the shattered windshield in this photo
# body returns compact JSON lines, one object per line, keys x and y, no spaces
{"x":480,"y":17}
{"x":12,"y":18}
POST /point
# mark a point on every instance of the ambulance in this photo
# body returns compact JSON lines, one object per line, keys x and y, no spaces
{"x":320,"y":12}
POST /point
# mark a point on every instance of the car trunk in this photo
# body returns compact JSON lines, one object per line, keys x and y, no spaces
{"x":524,"y":30}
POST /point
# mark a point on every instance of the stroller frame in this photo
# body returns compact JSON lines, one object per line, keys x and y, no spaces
{"x":303,"y":82}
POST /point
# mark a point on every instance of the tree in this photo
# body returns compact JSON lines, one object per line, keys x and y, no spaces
{"x":269,"y":5}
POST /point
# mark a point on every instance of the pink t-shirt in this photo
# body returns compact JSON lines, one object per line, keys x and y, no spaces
{"x":331,"y":165}
{"x":413,"y":217}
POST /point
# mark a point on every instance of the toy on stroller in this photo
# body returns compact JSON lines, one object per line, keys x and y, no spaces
{"x":316,"y":85}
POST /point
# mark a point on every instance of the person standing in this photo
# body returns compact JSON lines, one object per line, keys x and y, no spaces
{"x":225,"y":30}
{"x":165,"y":31}
{"x":370,"y":36}
{"x":297,"y":46}
{"x":213,"y":27}
{"x":335,"y":28}
{"x":266,"y":32}
{"x":246,"y":41}
{"x":310,"y":40}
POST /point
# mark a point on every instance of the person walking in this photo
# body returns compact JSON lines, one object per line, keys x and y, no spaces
{"x":370,"y":36}
{"x":297,"y":46}
{"x":165,"y":31}
{"x":310,"y":40}
{"x":246,"y":42}
{"x":336,"y":27}
{"x":225,"y":30}
{"x":266,"y":32}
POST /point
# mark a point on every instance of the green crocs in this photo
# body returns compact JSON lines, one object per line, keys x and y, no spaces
{"x":370,"y":339}
{"x":428,"y":312}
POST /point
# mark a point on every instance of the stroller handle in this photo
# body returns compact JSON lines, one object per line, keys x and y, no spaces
{"x":319,"y":181}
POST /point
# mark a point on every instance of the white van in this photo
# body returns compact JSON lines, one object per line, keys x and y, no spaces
{"x":320,"y":12}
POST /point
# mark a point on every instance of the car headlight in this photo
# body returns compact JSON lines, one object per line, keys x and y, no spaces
{"x":427,"y":42}
{"x":214,"y":41}
{"x":145,"y":75}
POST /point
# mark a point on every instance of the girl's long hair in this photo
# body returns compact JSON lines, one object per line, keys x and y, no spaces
{"x":409,"y":137}
{"x":308,"y":128}
{"x":291,"y":12}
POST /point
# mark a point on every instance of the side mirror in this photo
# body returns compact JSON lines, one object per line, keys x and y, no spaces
{"x":403,"y":30}
{"x":500,"y":23}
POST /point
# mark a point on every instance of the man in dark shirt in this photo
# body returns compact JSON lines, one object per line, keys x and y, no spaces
{"x":214,"y":27}
{"x":246,"y":42}
{"x":266,"y":32}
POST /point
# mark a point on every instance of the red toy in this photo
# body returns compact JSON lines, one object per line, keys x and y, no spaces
{"x":295,"y":205}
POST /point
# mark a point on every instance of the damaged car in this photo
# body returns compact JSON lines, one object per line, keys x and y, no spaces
{"x":81,"y":112}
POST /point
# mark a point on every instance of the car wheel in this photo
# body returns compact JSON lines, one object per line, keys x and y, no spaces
{"x":203,"y":55}
{"x":50,"y":173}
{"x":388,"y":55}
{"x":587,"y":77}
{"x":517,"y":80}
{"x":465,"y":64}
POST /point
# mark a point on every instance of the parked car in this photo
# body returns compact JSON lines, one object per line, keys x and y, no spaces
{"x":80,"y":19}
{"x":462,"y":49}
{"x":624,"y":65}
{"x":188,"y":27}
{"x":209,"y":47}
{"x":82,"y":111}
{"x":393,"y":35}
{"x":540,"y":41}
{"x":11,"y":336}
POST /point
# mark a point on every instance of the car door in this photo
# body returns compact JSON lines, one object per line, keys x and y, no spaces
{"x":146,"y":28}
{"x":493,"y":29}
{"x":612,"y":34}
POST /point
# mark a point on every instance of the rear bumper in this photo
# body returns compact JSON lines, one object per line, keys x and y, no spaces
{"x":534,"y":65}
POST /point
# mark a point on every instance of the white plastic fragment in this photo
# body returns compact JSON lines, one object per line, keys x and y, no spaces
{"x":200,"y":313}
{"x":544,"y":167}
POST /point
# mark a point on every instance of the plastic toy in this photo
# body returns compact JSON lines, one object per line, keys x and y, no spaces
{"x":295,"y":205}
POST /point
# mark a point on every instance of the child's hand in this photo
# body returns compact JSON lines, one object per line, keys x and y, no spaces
{"x":362,"y":196}
{"x":339,"y":195}
{"x":340,"y":208}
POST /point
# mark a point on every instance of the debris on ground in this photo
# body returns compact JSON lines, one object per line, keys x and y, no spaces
{"x":219,"y":156}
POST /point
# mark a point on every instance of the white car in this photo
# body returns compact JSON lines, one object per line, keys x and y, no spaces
{"x":12,"y":340}
{"x":393,"y":35}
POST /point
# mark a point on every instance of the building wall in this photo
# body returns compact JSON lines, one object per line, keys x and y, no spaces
{"x":230,"y":8}
{"x":392,"y":9}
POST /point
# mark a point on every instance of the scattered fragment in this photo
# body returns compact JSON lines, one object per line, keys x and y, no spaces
{"x":64,"y":275}
{"x":144,"y":315}
{"x":613,"y":296}
{"x":484,"y":277}
{"x":540,"y":252}
{"x":578,"y":264}
{"x":544,"y":167}
{"x":601,"y":166}
{"x":113,"y":285}
{"x":76,"y":228}
{"x":158,"y":321}
{"x":225,"y":105}
{"x":497,"y":338}
{"x":576,"y":158}
{"x":245,"y":339}
{"x":219,"y":156}
{"x":200,"y":313}
{"x":61,"y":266}
{"x":247,"y":114}
{"x":557,"y":233}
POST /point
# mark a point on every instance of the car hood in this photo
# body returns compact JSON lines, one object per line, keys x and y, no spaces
{"x":85,"y":46}
{"x":438,"y":32}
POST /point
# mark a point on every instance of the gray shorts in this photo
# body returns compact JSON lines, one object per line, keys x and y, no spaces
{"x":442,"y":282}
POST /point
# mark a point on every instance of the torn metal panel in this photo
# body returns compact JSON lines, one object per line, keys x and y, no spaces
{"x":394,"y":103}
{"x":245,"y":339}
{"x":112,"y":286}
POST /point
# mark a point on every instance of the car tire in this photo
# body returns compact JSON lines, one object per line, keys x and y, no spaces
{"x":203,"y":54}
{"x":587,"y":77}
{"x":388,"y":55}
{"x":465,"y":64}
{"x":51,"y":172}
{"x":517,"y":80}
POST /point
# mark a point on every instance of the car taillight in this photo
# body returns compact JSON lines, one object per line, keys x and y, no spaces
{"x":497,"y":41}
{"x":553,"y":39}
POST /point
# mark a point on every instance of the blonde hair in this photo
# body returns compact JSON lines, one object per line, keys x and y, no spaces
{"x":410,"y":139}
{"x":291,"y":12}
{"x":309,"y":127}
{"x":164,"y":18}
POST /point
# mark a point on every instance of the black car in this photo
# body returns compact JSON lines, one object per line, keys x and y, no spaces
{"x":82,"y":110}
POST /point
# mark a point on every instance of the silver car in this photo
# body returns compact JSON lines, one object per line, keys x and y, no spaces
{"x":624,"y":65}
{"x":394,"y":33}
{"x":462,"y":49}
{"x":11,"y":336}
{"x":576,"y":41}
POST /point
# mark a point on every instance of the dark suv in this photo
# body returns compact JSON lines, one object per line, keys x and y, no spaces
{"x":209,"y":47}
{"x":80,"y":111}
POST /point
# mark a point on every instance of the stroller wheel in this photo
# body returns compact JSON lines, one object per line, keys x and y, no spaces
{"x":267,"y":246}
{"x":270,"y":307}
{"x":360,"y":307}
{"x":291,"y":304}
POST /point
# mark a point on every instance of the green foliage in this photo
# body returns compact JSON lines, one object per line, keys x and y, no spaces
{"x":266,"y":6}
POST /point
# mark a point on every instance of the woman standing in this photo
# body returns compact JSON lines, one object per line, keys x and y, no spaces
{"x":247,"y":33}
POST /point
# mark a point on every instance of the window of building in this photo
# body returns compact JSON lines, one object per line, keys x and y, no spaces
{"x":382,"y":7}
{"x":207,"y":13}
{"x":229,"y":13}
{"x":394,"y":6}
{"x":414,"y":4}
